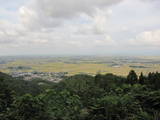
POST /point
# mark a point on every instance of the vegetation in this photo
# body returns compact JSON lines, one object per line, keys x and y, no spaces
{"x":82,"y":97}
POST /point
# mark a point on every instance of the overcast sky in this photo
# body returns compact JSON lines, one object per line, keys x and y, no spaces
{"x":80,"y":27}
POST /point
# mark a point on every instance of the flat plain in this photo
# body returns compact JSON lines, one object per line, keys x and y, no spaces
{"x":80,"y":64}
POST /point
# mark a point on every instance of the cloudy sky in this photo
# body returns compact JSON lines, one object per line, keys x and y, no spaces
{"x":79,"y":27}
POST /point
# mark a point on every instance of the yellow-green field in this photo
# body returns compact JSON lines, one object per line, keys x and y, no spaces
{"x":88,"y":68}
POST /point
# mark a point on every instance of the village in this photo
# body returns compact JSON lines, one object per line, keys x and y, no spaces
{"x":49,"y":76}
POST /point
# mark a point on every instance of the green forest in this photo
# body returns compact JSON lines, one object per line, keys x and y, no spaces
{"x":81,"y":97}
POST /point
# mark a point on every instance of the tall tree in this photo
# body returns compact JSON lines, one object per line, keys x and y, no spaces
{"x":141,"y":79}
{"x":132,"y":77}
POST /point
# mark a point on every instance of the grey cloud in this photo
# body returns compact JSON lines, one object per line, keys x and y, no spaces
{"x":5,"y":41}
{"x":69,"y":8}
{"x":51,"y":13}
{"x":80,"y":26}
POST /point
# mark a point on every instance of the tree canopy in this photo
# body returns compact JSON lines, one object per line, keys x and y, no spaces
{"x":82,"y":97}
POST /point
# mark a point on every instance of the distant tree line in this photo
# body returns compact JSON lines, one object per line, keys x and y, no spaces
{"x":82,"y":97}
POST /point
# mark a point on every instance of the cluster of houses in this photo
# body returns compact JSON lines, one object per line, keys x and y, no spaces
{"x":50,"y":76}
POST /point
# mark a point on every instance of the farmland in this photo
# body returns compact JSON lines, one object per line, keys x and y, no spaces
{"x":80,"y":64}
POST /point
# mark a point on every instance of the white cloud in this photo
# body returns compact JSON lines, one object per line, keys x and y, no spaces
{"x":15,"y":35}
{"x":100,"y":21}
{"x":97,"y":24}
{"x":7,"y":32}
{"x":39,"y":19}
{"x":105,"y":41}
{"x":147,"y":38}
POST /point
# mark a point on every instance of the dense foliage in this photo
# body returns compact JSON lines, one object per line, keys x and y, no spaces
{"x":82,"y":97}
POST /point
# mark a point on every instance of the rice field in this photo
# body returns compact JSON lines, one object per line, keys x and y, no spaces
{"x":86,"y":66}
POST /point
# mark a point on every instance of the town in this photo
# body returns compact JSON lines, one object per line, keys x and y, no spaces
{"x":49,"y":76}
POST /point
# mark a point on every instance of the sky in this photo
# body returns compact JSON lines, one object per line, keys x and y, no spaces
{"x":80,"y":27}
